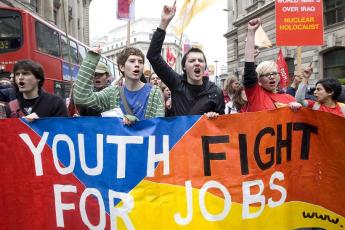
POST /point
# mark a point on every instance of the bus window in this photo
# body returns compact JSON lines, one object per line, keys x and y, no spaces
{"x":111,"y":69}
{"x":64,"y":48}
{"x":10,"y":30}
{"x":72,"y":50}
{"x":47,"y":39}
{"x":82,"y":53}
{"x":103,"y":60}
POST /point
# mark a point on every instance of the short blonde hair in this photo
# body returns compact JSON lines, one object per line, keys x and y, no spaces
{"x":266,"y":67}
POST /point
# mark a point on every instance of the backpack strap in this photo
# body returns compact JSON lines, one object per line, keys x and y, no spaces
{"x":124,"y":101}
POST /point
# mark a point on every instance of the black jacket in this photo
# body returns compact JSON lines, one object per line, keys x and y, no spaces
{"x":47,"y":105}
{"x":186,"y":99}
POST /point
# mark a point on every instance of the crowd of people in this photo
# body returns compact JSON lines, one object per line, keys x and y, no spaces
{"x":141,"y":94}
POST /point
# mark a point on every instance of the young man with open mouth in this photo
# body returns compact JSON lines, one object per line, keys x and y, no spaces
{"x":33,"y":100}
{"x":191,"y":93}
{"x":136,"y":99}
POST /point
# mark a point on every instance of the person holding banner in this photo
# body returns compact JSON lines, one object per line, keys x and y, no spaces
{"x":134,"y":101}
{"x":327,"y":92}
{"x":191,"y":93}
{"x":34,"y":102}
{"x":261,"y":84}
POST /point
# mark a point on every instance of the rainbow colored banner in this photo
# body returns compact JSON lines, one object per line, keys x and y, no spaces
{"x":267,"y":170}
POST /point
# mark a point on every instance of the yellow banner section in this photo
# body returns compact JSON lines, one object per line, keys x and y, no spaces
{"x":161,"y":204}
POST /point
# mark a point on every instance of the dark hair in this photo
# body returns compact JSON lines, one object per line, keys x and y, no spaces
{"x":192,"y":50}
{"x":125,"y":53}
{"x":237,"y":98}
{"x":331,"y":85}
{"x":35,"y":68}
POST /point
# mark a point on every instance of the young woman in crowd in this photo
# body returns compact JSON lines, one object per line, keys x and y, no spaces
{"x":327,"y":91}
{"x":230,"y":86}
{"x":167,"y":99}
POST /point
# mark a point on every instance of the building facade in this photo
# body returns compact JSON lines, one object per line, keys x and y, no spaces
{"x":327,"y":60}
{"x":71,"y":16}
{"x":141,"y":31}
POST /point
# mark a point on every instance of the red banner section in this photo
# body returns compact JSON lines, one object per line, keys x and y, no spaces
{"x":299,"y":22}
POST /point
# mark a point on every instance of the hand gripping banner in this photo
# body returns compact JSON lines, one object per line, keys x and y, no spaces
{"x":266,"y":170}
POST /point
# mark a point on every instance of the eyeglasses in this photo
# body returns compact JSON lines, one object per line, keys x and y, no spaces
{"x":273,"y":74}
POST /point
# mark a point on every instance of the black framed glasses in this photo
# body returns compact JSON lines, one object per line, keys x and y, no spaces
{"x":273,"y":74}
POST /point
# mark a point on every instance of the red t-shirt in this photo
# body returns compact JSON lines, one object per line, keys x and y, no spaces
{"x":260,"y":99}
{"x":336,"y":110}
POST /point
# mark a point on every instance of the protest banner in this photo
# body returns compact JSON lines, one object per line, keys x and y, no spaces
{"x":125,"y":10}
{"x":299,"y":23}
{"x":266,"y":170}
{"x":283,"y":70}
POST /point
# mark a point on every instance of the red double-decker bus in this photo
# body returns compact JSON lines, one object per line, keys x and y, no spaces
{"x":24,"y":35}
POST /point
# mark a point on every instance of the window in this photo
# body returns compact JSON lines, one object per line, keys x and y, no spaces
{"x":111,"y":69}
{"x":47,"y":40}
{"x":255,"y":4}
{"x":10,"y":31}
{"x":82,"y":53}
{"x":73,"y":51}
{"x":103,"y":60}
{"x":334,"y":63}
{"x":69,"y":51}
{"x":334,"y":11}
{"x":235,"y":49}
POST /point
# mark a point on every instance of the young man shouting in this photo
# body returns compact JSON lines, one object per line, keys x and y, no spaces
{"x":191,"y":93}
{"x":136,"y":99}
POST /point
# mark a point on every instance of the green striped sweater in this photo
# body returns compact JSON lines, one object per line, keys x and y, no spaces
{"x":108,"y":98}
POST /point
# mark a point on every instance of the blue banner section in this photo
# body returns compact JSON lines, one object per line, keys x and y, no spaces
{"x":67,"y":130}
{"x":69,"y":71}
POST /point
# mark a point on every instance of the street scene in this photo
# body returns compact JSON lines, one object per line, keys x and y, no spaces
{"x":172,"y":114}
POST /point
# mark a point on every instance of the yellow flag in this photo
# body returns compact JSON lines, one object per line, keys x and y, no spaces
{"x":187,"y":12}
{"x":261,"y":38}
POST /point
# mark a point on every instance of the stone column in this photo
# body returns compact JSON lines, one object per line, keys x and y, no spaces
{"x":59,"y":14}
{"x":74,"y":25}
{"x":81,"y":21}
{"x":48,"y":13}
{"x":64,"y":16}
{"x":232,"y":12}
{"x":39,"y":7}
{"x":86,"y":21}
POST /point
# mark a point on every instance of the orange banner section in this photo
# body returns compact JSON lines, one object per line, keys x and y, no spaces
{"x":297,"y":154}
{"x":299,"y":22}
